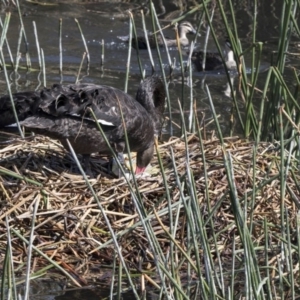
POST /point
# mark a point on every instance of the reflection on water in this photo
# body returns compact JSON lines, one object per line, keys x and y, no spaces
{"x":104,"y":21}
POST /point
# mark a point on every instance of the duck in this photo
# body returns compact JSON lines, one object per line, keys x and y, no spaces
{"x":213,"y":60}
{"x":184,"y":28}
{"x":64,"y":112}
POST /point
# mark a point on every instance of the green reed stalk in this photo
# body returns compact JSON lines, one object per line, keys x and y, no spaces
{"x":153,"y":11}
{"x":282,"y":189}
{"x":147,"y":42}
{"x":194,"y":217}
{"x":54,"y":263}
{"x":112,"y":280}
{"x":191,"y":126}
{"x":8,"y":48}
{"x":28,"y":61}
{"x":8,"y":279}
{"x":182,"y":78}
{"x":211,"y":275}
{"x":254,"y":26}
{"x":207,"y":36}
{"x":38,"y":49}
{"x":277,"y":90}
{"x":18,"y":54}
{"x":251,"y":122}
{"x":237,"y":48}
{"x":128,"y":57}
{"x":268,"y":286}
{"x":119,"y":286}
{"x":252,"y":272}
{"x":169,"y":106}
{"x":289,"y":257}
{"x":233,"y":267}
{"x":3,"y":38}
{"x":209,"y":209}
{"x":174,"y":249}
{"x":191,"y":12}
{"x":255,"y":147}
{"x":170,"y":208}
{"x":116,"y":245}
{"x":18,"y":176}
{"x":102,"y":53}
{"x":164,"y":41}
{"x":84,"y":42}
{"x":133,"y":28}
{"x":233,"y":40}
{"x":60,"y":51}
{"x":166,"y":185}
{"x":29,"y":249}
{"x":298,"y":234}
{"x":136,"y":197}
{"x":44,"y":68}
{"x":80,"y":68}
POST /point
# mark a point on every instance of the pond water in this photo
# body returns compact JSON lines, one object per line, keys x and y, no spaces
{"x":103,"y":21}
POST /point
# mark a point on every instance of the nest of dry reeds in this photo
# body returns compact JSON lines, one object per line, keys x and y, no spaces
{"x":70,"y":229}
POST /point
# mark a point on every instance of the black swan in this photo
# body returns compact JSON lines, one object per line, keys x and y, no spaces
{"x":213,"y":60}
{"x":183,"y":29}
{"x":62,"y":112}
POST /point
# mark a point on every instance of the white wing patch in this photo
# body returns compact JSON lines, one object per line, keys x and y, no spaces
{"x":103,"y":122}
{"x":12,"y":125}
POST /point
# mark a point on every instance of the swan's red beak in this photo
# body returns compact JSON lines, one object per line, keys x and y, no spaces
{"x":139,"y":170}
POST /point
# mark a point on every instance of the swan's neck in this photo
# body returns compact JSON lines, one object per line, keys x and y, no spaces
{"x":151,"y":95}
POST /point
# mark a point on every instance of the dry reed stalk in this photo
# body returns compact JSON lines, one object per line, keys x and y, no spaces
{"x":70,"y":227}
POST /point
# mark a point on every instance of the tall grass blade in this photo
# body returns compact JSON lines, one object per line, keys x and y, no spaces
{"x":147,"y":42}
{"x":169,"y":106}
{"x":60,"y":51}
{"x":44,"y":68}
{"x":3,"y":38}
{"x":128,"y":56}
{"x":80,"y":67}
{"x":133,"y":28}
{"x":28,"y":60}
{"x":8,"y":48}
{"x":29,"y":249}
{"x":117,"y":247}
{"x":38,"y":49}
{"x":85,"y":44}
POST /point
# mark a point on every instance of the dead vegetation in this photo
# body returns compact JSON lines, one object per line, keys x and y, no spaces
{"x":70,"y":229}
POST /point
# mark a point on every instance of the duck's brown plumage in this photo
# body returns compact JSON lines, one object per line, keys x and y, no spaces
{"x":184,"y":28}
{"x":61,"y":112}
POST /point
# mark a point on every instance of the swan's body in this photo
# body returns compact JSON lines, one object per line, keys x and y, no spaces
{"x":63,"y":112}
{"x":184,"y":28}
